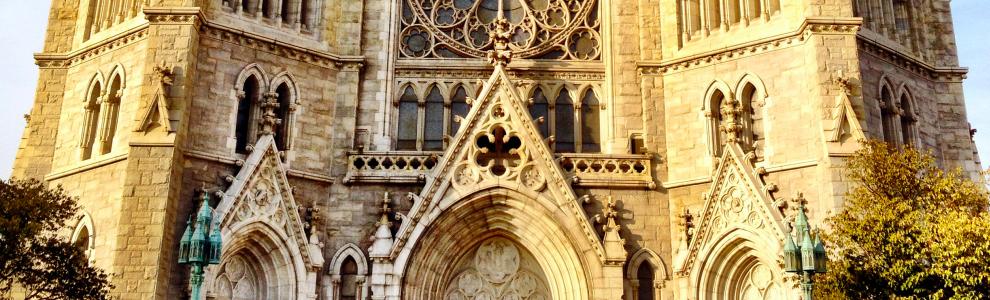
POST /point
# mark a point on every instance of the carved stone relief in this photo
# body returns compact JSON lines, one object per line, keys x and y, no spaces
{"x":498,"y":269}
{"x":759,"y":284}
{"x":237,"y":281}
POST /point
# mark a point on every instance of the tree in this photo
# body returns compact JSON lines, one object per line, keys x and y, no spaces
{"x":909,"y":230}
{"x":33,"y":257}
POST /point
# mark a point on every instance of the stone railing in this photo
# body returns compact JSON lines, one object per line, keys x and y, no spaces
{"x":390,"y":166}
{"x":608,"y":170}
{"x":584,"y":170}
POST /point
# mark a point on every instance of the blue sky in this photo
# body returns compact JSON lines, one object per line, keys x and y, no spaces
{"x":22,"y":26}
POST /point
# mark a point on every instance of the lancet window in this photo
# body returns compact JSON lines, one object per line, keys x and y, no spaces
{"x":645,"y":276}
{"x":298,"y":15}
{"x":734,"y":118}
{"x":100,"y":113}
{"x":103,"y":14}
{"x":699,"y":18}
{"x":896,"y":20}
{"x":574,"y":125}
{"x":898,"y":118}
{"x":428,"y":117}
{"x":253,"y":90}
{"x":559,"y":30}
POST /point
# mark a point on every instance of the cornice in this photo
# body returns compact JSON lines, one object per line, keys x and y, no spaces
{"x":193,"y":16}
{"x":910,"y":63}
{"x":810,"y":27}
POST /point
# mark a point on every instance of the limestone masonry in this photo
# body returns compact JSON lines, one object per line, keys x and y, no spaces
{"x":478,"y":149}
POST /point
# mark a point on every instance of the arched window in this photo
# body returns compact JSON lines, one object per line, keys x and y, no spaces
{"x":591,"y":134}
{"x":541,"y":108}
{"x":754,"y":9}
{"x":306,"y":14}
{"x":748,"y":136}
{"x":286,"y":13}
{"x":433,"y":129}
{"x":348,"y":279}
{"x":908,"y":121}
{"x":714,"y":15}
{"x":348,"y":274}
{"x":458,"y":107}
{"x":266,"y":9}
{"x":888,"y":116}
{"x":564,"y":122}
{"x":247,"y":97}
{"x":91,"y":119}
{"x":408,"y":120}
{"x":283,"y":111}
{"x":83,"y":238}
{"x":110,"y":112}
{"x":645,"y":275}
{"x":716,"y":114}
{"x":249,"y":6}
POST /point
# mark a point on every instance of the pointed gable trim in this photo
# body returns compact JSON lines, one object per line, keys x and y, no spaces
{"x":261,"y":193}
{"x":736,"y":200}
{"x":498,"y":92}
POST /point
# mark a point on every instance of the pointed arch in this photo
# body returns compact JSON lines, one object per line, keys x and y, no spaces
{"x":84,"y":237}
{"x":458,"y":107}
{"x":111,"y":109}
{"x":564,"y":125}
{"x":717,"y":92}
{"x":646,"y":274}
{"x":889,"y":120}
{"x":91,"y":115}
{"x":740,"y":265}
{"x":348,"y":274}
{"x":249,"y":87}
{"x":540,"y":107}
{"x":751,"y":95}
{"x":433,"y":117}
{"x":249,"y":70}
{"x":590,"y":121}
{"x":407,"y":132}
{"x":287,"y":94}
{"x":907,"y":110}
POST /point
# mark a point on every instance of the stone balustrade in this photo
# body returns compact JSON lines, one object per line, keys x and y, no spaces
{"x":584,"y":170}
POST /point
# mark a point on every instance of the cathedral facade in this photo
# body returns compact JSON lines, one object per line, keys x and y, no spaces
{"x":477,"y":149}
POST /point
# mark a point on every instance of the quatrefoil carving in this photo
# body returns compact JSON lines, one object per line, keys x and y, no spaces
{"x":498,"y":151}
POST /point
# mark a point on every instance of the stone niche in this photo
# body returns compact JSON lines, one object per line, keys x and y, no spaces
{"x":498,"y":269}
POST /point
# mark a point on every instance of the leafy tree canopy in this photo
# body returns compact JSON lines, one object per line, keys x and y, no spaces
{"x":909,"y":230}
{"x":34,"y":260}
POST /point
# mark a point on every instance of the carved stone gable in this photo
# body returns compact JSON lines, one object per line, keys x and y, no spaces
{"x":497,"y":146}
{"x":261,"y":193}
{"x":737,"y":198}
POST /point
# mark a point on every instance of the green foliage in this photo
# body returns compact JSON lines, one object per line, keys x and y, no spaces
{"x":908,"y":231}
{"x":33,"y":258}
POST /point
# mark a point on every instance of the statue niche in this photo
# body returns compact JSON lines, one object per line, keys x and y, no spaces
{"x":498,"y":269}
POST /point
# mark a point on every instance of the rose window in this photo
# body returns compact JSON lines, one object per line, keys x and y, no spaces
{"x":540,"y":29}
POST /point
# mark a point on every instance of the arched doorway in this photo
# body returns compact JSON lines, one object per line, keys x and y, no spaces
{"x":500,"y":243}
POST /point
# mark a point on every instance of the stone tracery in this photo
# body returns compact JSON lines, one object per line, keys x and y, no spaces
{"x":498,"y":270}
{"x":542,"y":29}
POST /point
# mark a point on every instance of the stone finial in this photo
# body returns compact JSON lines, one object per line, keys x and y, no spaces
{"x":731,"y":126}
{"x":615,"y":251}
{"x":382,"y":241}
{"x":501,"y":36}
{"x":269,"y":120}
{"x":687,"y":224}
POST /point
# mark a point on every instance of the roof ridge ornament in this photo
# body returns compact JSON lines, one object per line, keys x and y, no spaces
{"x":501,"y":55}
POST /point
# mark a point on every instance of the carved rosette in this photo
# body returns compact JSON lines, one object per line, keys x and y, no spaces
{"x":498,"y":270}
